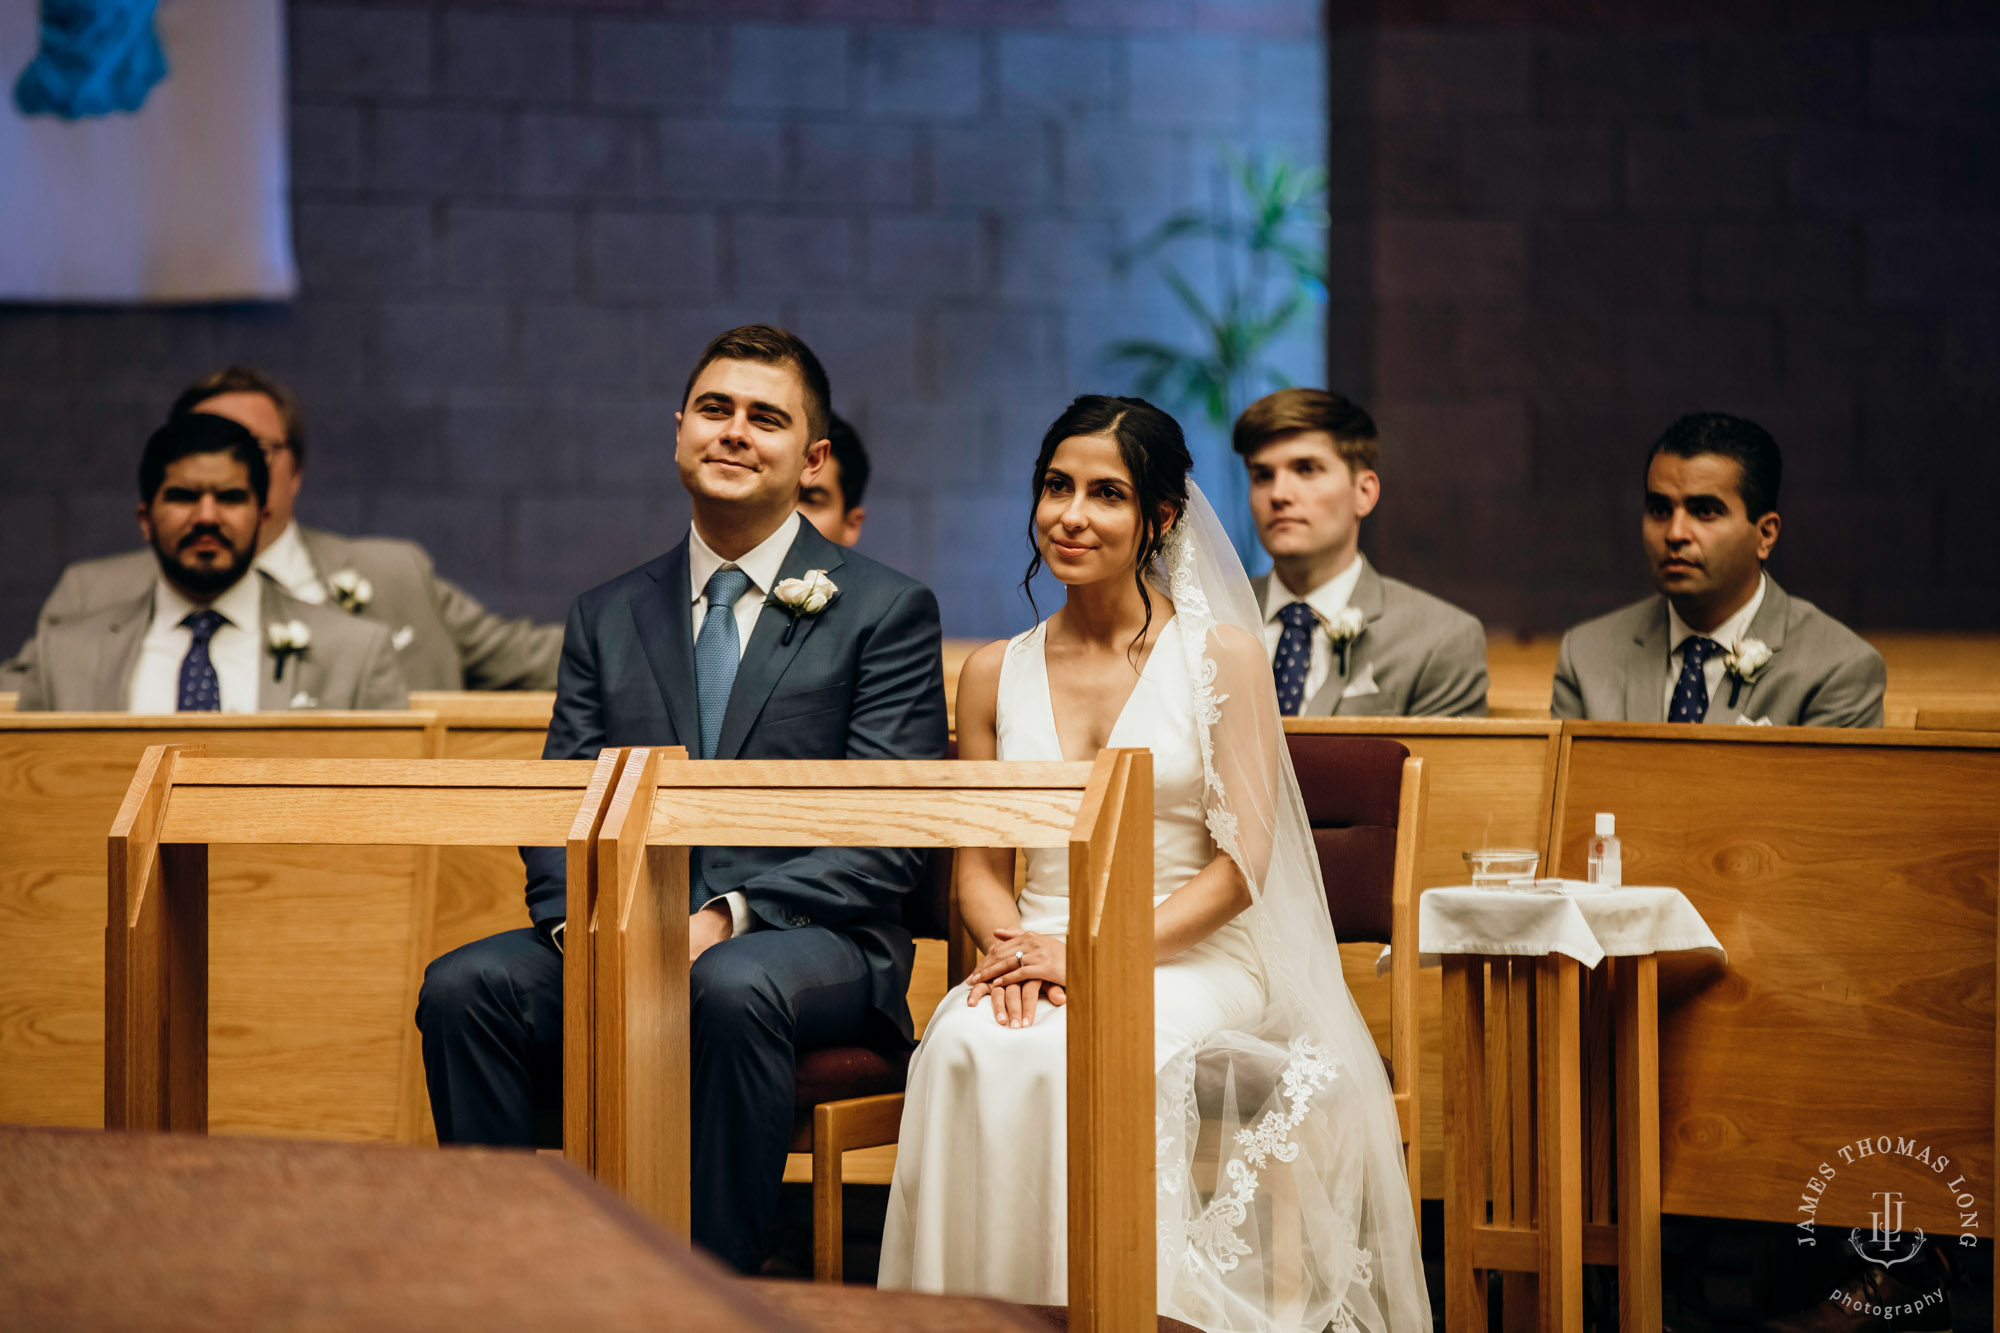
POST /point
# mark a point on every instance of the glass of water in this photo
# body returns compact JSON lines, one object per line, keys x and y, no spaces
{"x":1494,"y":867}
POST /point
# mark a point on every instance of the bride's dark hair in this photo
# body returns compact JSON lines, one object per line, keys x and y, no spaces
{"x":1155,"y":453}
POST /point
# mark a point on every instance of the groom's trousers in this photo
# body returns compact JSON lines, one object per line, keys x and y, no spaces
{"x":491,"y":1017}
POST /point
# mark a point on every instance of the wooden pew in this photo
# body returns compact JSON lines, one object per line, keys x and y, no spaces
{"x":479,"y":888}
{"x":311,"y":1017}
{"x":1489,"y":783}
{"x":181,"y":805}
{"x":1851,"y":875}
{"x":626,"y":1111}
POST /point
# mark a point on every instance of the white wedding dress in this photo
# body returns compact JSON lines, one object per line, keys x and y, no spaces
{"x":978,"y":1202}
{"x":1296,"y":1216}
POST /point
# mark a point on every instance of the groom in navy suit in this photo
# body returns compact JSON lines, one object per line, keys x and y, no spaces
{"x":791,"y":948}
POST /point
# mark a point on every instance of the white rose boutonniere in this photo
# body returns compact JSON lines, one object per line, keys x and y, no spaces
{"x":1744,"y":663}
{"x":1343,"y":630}
{"x":806,"y":596}
{"x":287,"y":639}
{"x":351,"y":591}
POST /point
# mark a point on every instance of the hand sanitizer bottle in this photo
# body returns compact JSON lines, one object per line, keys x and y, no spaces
{"x":1606,"y":859}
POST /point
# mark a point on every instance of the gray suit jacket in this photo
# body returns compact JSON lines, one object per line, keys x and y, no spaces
{"x":1425,"y":657}
{"x":85,"y":665}
{"x":1821,"y":673}
{"x":444,"y":639}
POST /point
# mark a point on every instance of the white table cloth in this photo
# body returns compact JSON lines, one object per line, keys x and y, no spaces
{"x":1588,"y":922}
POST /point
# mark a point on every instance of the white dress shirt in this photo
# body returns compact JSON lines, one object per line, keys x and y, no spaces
{"x":235,"y":649}
{"x":761,"y":562}
{"x":286,"y":559}
{"x":1328,"y":600}
{"x":1729,"y":633}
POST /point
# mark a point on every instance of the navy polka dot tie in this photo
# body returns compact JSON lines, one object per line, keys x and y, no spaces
{"x":1691,"y":691}
{"x":1294,"y":657}
{"x":200,"y":691}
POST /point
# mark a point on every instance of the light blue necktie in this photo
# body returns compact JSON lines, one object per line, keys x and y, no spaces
{"x":717,"y":652}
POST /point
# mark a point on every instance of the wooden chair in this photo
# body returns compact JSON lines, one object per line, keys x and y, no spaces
{"x":180,"y":804}
{"x":626,"y":1113}
{"x":1365,"y":799}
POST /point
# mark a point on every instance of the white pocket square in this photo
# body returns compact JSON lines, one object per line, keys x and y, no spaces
{"x":1362,"y":684}
{"x":401,"y":638}
{"x":303,"y":700}
{"x":1753,"y":722}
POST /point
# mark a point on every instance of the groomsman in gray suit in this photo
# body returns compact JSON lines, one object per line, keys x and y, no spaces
{"x":1722,"y":642}
{"x":1344,"y":640}
{"x":207,"y":633}
{"x":444,"y":639}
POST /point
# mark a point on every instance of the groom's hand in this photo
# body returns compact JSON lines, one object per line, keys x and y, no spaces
{"x":707,"y":928}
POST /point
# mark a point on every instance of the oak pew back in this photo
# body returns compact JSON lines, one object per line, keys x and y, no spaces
{"x":626,"y":1112}
{"x":311,"y":1013}
{"x":479,"y":888}
{"x":181,"y":805}
{"x":1488,"y":783}
{"x":1851,"y":876}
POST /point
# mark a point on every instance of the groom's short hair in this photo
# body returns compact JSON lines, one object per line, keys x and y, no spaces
{"x":1295,"y":411}
{"x":775,"y":347}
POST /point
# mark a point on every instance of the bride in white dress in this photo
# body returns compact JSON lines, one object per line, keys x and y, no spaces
{"x":1305,"y":1222}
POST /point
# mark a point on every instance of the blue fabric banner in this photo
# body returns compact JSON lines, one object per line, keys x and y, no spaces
{"x":96,"y":57}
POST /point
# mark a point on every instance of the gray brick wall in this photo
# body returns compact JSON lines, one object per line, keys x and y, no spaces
{"x":517,"y":223}
{"x":1576,"y":233}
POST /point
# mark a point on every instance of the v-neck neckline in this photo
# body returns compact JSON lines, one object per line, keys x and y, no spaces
{"x":1049,"y":692}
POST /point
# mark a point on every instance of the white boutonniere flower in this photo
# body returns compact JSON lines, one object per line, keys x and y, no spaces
{"x":1744,"y":663}
{"x":287,"y":639}
{"x":806,"y":596}
{"x":351,"y":591}
{"x":1343,"y":630}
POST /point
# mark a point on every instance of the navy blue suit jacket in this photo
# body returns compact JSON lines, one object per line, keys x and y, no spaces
{"x":863,"y":679}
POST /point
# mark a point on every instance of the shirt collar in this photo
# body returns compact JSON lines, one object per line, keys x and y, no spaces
{"x":1328,"y":600}
{"x":761,"y":562}
{"x":241,"y":606}
{"x":287,"y":559}
{"x":1729,"y":633}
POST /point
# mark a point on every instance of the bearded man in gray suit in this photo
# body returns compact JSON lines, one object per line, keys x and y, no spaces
{"x":208,"y":633}
{"x":1721,"y":642}
{"x":444,"y":639}
{"x":1344,"y":640}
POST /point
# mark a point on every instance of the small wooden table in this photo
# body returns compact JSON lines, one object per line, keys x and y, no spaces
{"x":181,"y":1231}
{"x":1515,"y":1067}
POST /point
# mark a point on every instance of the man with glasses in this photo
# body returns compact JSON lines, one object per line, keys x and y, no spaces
{"x":444,"y":639}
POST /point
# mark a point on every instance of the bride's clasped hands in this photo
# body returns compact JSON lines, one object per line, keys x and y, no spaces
{"x":1022,"y":967}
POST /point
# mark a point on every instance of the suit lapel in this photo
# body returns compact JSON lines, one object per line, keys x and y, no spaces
{"x":1769,"y":626}
{"x":765,"y":660}
{"x":111,"y":690}
{"x":664,"y":615}
{"x":1367,"y":599}
{"x":1645,"y":667}
{"x":275,"y":689}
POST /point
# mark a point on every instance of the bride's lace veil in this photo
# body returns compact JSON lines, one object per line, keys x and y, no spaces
{"x":1297,"y":1215}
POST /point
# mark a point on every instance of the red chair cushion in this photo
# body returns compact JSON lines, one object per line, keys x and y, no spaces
{"x":835,"y":1073}
{"x":1353,"y":790}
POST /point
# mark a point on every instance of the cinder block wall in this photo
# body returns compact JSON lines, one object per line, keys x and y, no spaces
{"x":1579,"y":227}
{"x":518,"y":223}
{"x":1555,"y":226}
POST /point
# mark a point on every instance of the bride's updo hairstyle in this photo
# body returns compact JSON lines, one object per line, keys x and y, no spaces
{"x":1155,"y":453}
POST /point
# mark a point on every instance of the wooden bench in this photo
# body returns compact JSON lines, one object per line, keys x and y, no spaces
{"x":1488,"y":783}
{"x":181,"y":805}
{"x":626,"y":1112}
{"x":311,"y":1021}
{"x":1851,"y":876}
